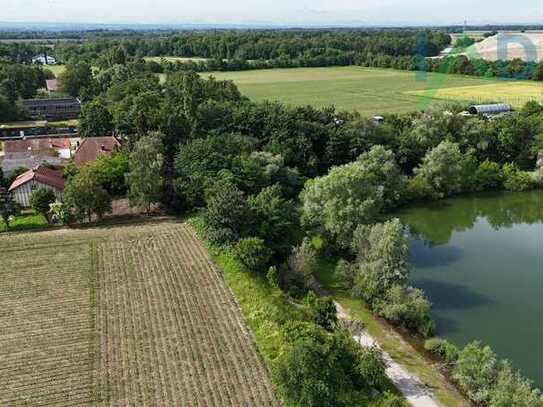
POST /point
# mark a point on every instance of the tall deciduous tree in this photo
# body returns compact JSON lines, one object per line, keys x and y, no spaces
{"x":85,"y":196}
{"x":145,"y":164}
{"x":95,"y":120}
{"x":76,"y":78}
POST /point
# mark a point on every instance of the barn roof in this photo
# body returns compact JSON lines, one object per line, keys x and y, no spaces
{"x":42,"y":175}
{"x":91,"y":148}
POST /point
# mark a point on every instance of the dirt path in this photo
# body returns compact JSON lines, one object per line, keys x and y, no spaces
{"x":410,"y":386}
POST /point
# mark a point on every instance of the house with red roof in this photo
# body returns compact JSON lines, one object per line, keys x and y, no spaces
{"x":92,"y":148}
{"x":25,"y":184}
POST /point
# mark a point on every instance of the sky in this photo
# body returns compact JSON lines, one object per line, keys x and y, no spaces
{"x":363,"y":12}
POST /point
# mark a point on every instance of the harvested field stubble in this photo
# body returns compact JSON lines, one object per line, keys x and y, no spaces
{"x":132,"y":315}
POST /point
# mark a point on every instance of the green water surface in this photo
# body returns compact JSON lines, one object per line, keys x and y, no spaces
{"x":480,"y":260}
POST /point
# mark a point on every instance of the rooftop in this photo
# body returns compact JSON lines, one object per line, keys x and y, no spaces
{"x":91,"y":148}
{"x":41,"y":174}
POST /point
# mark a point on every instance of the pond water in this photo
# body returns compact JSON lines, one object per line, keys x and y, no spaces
{"x":480,"y":261}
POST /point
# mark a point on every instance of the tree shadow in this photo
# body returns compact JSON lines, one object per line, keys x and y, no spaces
{"x":424,"y":257}
{"x":446,"y":296}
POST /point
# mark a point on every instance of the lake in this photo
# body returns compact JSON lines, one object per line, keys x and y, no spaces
{"x":480,"y":261}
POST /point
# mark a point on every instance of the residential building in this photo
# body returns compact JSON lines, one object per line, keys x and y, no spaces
{"x":39,"y":177}
{"x":91,"y":148}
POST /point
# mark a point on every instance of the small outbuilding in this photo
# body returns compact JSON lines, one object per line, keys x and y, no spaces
{"x":39,"y":177}
{"x":490,"y":110}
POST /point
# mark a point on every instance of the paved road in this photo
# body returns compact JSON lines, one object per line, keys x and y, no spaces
{"x":412,"y":388}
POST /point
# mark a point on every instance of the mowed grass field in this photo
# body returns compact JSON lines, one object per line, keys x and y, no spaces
{"x":375,"y":91}
{"x":133,"y":315}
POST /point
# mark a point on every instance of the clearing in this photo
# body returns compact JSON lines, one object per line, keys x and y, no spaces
{"x":367,"y":90}
{"x":122,"y":315}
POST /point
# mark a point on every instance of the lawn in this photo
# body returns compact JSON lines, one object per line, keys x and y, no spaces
{"x":25,"y":221}
{"x":56,"y":69}
{"x":133,"y":314}
{"x":407,"y":354}
{"x":367,"y":90}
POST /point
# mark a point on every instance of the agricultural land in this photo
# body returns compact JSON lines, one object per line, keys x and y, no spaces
{"x":375,"y":91}
{"x":124,"y":315}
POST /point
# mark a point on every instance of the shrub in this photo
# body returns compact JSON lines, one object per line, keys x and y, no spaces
{"x":41,"y":199}
{"x":445,"y":350}
{"x":488,"y":176}
{"x":475,"y":371}
{"x":511,"y":389}
{"x":323,"y":309}
{"x":273,"y":277}
{"x":303,"y":260}
{"x":59,"y":213}
{"x":517,"y":180}
{"x":408,"y":308}
{"x":252,"y":253}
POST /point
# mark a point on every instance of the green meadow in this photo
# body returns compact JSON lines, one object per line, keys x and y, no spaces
{"x":374,"y":91}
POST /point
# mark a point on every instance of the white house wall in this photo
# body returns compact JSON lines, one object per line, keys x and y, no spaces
{"x":23,"y":194}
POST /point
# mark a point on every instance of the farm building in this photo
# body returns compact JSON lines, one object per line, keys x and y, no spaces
{"x":53,"y":109}
{"x":91,"y":148}
{"x":32,"y":152}
{"x":39,"y":177}
{"x":490,"y":110}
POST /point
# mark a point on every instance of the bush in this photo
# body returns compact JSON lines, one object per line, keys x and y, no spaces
{"x":511,"y":389}
{"x":476,"y":371}
{"x":41,"y":200}
{"x":517,"y":180}
{"x":325,"y":369}
{"x":323,"y":309}
{"x":252,"y":253}
{"x":445,"y":350}
{"x":488,"y":176}
{"x":60,"y":213}
{"x":303,"y":260}
{"x":273,"y":277}
{"x":408,"y":308}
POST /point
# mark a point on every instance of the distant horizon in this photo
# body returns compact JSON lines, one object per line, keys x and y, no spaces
{"x":283,"y":13}
{"x":31,"y":25}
